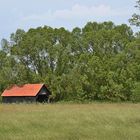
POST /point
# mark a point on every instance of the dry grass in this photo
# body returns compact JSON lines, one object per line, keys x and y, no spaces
{"x":70,"y":121}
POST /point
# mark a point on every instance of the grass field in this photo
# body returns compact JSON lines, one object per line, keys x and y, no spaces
{"x":97,"y":121}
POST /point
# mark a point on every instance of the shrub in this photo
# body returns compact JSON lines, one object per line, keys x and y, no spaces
{"x":136,"y":93}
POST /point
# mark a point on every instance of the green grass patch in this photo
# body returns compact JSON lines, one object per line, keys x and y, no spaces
{"x":70,"y":121}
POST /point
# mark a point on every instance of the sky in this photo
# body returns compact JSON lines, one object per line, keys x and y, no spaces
{"x":25,"y":14}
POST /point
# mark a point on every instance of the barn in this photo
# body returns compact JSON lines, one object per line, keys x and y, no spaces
{"x":26,"y":93}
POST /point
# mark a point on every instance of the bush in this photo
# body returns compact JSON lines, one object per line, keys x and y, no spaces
{"x":136,"y":93}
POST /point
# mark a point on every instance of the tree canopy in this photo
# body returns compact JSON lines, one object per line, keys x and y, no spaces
{"x":100,"y":61}
{"x":135,"y":20}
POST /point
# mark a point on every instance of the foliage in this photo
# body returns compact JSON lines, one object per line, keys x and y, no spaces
{"x":101,"y":61}
{"x":135,"y":20}
{"x":136,"y":93}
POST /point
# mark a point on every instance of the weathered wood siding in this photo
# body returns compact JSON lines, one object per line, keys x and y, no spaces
{"x":43,"y":95}
{"x":18,"y":99}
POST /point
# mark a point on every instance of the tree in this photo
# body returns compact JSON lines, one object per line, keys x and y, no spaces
{"x":98,"y":62}
{"x":135,"y":20}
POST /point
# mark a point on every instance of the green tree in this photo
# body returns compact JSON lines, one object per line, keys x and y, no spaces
{"x":98,"y":62}
{"x":135,"y":20}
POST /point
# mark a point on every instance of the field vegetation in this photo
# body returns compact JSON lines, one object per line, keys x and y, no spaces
{"x":96,"y":121}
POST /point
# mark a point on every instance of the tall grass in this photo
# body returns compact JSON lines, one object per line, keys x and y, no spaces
{"x":70,"y":121}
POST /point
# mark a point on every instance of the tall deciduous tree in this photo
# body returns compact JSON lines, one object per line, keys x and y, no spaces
{"x":98,"y":62}
{"x":135,"y":20}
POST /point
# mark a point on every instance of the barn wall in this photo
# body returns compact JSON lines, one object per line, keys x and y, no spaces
{"x":18,"y":99}
{"x":43,"y":95}
{"x":44,"y":90}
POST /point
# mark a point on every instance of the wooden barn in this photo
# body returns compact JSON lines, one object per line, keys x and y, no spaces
{"x":26,"y":93}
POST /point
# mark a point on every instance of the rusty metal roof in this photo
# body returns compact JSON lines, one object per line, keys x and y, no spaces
{"x":25,"y":90}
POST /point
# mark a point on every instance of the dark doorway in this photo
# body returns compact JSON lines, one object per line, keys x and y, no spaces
{"x":42,"y":98}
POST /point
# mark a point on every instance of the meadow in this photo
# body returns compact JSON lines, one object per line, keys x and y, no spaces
{"x":95,"y":121}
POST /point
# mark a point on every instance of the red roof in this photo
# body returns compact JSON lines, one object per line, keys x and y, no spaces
{"x":25,"y":90}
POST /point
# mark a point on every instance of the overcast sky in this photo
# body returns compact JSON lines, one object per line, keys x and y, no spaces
{"x":25,"y":14}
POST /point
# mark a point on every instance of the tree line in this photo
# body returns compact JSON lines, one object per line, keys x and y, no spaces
{"x":100,"y":61}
